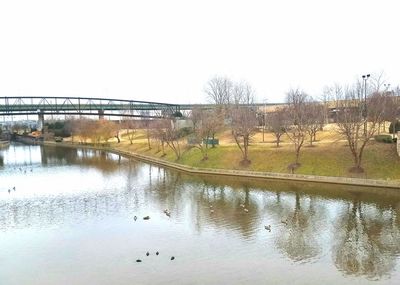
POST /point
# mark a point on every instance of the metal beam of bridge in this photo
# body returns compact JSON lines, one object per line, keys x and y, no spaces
{"x":188,"y":107}
{"x":10,"y":106}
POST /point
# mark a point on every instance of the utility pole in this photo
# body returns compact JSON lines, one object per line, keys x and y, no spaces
{"x":365,"y":114}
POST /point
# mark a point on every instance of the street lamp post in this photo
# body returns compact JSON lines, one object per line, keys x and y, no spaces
{"x":365,"y":78}
{"x":264,"y":118}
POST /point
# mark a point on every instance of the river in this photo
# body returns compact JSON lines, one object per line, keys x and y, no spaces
{"x":70,"y":220}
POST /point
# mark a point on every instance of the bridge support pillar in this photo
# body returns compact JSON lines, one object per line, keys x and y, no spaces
{"x":101,"y":114}
{"x":40,"y":123}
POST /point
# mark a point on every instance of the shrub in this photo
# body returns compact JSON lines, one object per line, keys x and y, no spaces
{"x":384,"y":138}
{"x":185,"y":131}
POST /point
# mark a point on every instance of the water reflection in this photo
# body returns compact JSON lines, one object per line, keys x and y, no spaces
{"x":301,"y":218}
{"x":85,"y":157}
{"x":357,"y":232}
{"x":367,"y":240}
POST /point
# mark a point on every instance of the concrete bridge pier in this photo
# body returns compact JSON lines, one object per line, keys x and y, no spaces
{"x":40,"y":124}
{"x":101,"y":114}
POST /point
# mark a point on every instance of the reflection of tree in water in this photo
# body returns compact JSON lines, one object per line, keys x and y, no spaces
{"x":172,"y":191}
{"x":105,"y":161}
{"x":1,"y":160}
{"x":226,"y":205}
{"x":367,"y":241}
{"x":300,"y":225}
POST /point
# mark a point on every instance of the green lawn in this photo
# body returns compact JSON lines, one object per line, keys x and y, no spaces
{"x":332,"y":158}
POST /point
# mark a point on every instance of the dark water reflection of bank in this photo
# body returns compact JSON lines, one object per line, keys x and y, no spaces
{"x":354,"y":230}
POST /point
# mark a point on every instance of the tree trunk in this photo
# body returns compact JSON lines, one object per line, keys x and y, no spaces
{"x":278,"y":139}
{"x":148,"y":138}
{"x":297,"y":154}
{"x":117,"y":137}
{"x":246,"y":146}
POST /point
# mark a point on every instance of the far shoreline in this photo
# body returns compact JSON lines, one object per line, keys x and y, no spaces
{"x":377,"y":183}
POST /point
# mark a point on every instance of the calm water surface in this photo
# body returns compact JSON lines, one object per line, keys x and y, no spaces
{"x":70,"y":220}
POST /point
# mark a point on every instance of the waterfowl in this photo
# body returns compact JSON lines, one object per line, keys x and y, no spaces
{"x":146,"y":218}
{"x":138,"y":260}
{"x":211,"y":206}
{"x":268,"y":228}
{"x":135,"y":218}
{"x":245,"y":210}
{"x":211,"y":211}
{"x":9,"y":190}
{"x":284,"y":222}
{"x":168,"y":214}
{"x":172,"y":258}
{"x":157,"y":253}
{"x":147,"y":253}
{"x":242,"y":205}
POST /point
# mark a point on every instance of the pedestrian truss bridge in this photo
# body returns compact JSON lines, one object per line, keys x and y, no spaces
{"x":10,"y":106}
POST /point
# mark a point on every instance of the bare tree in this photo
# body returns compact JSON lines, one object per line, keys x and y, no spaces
{"x":377,"y":81}
{"x":201,"y":134}
{"x":108,"y":129}
{"x":379,"y":103}
{"x":158,"y":133}
{"x":210,"y":123}
{"x":82,"y":128}
{"x":172,"y":138}
{"x":355,"y":124}
{"x":296,"y":116}
{"x":146,"y":124}
{"x":276,"y":123}
{"x":219,"y":90}
{"x":131,"y":127}
{"x":196,"y":116}
{"x":70,"y":126}
{"x":314,"y":120}
{"x":242,"y":93}
{"x":213,"y":121}
{"x":244,"y":122}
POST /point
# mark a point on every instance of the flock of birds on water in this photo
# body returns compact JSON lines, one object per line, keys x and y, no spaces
{"x":157,"y":253}
{"x":22,"y":170}
{"x":168,"y":214}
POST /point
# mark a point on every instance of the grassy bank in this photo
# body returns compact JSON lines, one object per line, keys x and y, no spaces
{"x":328,"y":157}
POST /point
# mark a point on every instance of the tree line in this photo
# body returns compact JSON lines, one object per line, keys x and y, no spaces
{"x":359,"y":114}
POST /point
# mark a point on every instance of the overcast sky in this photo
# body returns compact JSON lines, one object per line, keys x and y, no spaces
{"x":166,"y":51}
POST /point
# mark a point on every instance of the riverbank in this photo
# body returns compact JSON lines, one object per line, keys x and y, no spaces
{"x":120,"y":149}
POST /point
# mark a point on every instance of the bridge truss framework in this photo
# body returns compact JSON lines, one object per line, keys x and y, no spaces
{"x":10,"y":106}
